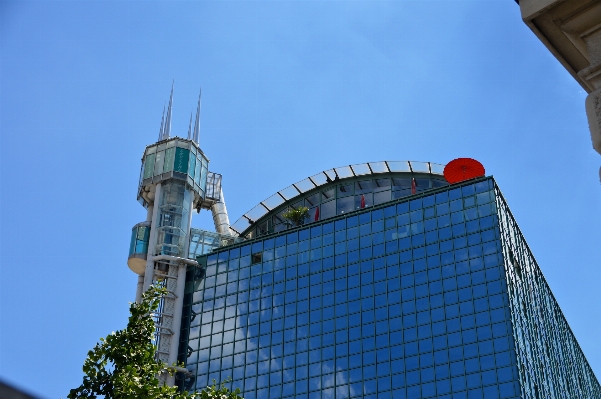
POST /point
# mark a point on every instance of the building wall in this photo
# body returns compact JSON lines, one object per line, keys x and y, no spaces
{"x":550,"y":361}
{"x":405,"y":300}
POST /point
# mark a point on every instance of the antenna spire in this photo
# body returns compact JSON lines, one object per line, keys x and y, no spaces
{"x":167,"y":130}
{"x":190,"y":126}
{"x":162,"y":124}
{"x":197,"y":121}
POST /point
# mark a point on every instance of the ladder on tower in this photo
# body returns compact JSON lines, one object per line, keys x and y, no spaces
{"x":166,"y":273}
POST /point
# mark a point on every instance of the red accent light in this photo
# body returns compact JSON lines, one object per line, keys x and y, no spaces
{"x":461,"y":169}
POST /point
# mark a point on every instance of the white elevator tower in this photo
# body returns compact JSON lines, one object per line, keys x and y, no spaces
{"x":174,"y":181}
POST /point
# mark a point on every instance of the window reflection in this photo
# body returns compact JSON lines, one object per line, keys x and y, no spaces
{"x":405,"y":302}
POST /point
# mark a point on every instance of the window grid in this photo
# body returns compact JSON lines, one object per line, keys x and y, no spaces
{"x":551,"y":362}
{"x":408,"y":300}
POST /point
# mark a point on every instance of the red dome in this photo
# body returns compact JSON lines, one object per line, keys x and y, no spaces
{"x":461,"y":169}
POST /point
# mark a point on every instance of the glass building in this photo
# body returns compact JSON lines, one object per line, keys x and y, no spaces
{"x":422,"y":292}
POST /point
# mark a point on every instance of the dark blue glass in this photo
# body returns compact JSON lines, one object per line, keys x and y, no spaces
{"x":409,"y":300}
{"x":402,"y":208}
{"x":415,"y":204}
{"x":352,"y":221}
{"x":245,"y":250}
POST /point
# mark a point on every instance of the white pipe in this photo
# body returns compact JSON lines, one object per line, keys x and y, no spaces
{"x":220,"y":218}
{"x":154,"y":224}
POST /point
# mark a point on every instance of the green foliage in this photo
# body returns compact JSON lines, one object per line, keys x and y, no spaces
{"x":297,"y":216}
{"x":123,"y":366}
{"x":222,"y":392}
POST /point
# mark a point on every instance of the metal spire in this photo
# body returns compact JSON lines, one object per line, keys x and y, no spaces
{"x":190,"y":126}
{"x":167,"y":130}
{"x":162,"y":124}
{"x":197,"y":122}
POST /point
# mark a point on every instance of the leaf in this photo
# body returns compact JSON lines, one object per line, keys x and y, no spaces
{"x":123,"y":366}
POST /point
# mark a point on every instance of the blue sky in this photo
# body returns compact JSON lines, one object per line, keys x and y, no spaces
{"x":289,"y":89}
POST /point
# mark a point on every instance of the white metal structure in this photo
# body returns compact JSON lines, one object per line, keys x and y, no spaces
{"x":174,"y":181}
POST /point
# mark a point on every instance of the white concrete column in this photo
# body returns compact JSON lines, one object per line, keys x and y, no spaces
{"x":188,"y":235}
{"x":139,"y":289}
{"x":593,"y":113}
{"x":149,"y":212}
{"x":148,"y":274}
{"x":177,"y":318}
{"x":592,"y":75}
{"x":179,"y":301}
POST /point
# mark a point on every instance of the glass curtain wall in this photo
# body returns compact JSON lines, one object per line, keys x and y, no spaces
{"x":549,"y":359}
{"x":402,"y":301}
{"x":203,"y":242}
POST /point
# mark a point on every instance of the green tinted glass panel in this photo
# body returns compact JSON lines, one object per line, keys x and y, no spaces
{"x":132,"y":243}
{"x":197,"y":172}
{"x":142,"y":239}
{"x":203,"y":178}
{"x":169,"y":155}
{"x":143,"y":233}
{"x":192,"y":166}
{"x":182,"y":155}
{"x":158,"y":163}
{"x":149,"y":166}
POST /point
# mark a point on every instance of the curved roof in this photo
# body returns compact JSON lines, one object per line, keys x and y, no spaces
{"x":328,"y":176}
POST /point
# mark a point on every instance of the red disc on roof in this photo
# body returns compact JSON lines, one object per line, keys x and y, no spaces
{"x":461,"y":169}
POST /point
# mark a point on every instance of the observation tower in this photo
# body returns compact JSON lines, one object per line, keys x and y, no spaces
{"x":174,"y":181}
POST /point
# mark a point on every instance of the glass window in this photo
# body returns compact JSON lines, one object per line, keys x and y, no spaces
{"x":413,"y":289}
{"x":344,"y":205}
{"x":364,"y":186}
{"x":328,"y":209}
{"x":345,"y":190}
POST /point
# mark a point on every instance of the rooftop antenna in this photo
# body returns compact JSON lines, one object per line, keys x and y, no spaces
{"x":197,"y":122}
{"x":162,"y":124}
{"x":167,"y":130}
{"x":190,"y":126}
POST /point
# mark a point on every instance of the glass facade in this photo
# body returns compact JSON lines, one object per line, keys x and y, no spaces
{"x":359,"y":186}
{"x":203,"y":241}
{"x":408,"y":299}
{"x":549,"y":359}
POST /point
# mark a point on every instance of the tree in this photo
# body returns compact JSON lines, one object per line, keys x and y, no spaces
{"x":297,"y":216}
{"x":123,"y":366}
